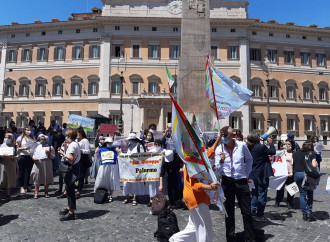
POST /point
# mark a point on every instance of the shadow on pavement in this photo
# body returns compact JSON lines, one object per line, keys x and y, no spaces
{"x":6,"y":219}
{"x":91,"y":214}
{"x":321,"y":215}
{"x":259,"y":234}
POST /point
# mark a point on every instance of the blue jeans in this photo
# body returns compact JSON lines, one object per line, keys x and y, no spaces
{"x":259,"y":195}
{"x":306,"y":204}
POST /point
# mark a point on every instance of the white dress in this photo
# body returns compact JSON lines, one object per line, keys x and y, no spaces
{"x":135,"y":188}
{"x":108,"y":177}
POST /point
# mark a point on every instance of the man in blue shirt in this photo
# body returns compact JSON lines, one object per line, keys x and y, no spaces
{"x":233,"y":161}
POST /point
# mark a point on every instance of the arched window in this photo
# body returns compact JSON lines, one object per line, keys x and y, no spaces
{"x":135,"y":84}
{"x":24,"y":87}
{"x":9,"y":87}
{"x":76,"y":85}
{"x":153,"y":82}
{"x":115,"y":84}
{"x":307,"y":90}
{"x":40,"y":87}
{"x":256,"y":84}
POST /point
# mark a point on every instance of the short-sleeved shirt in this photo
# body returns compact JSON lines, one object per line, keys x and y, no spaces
{"x":299,"y":160}
{"x":74,"y":148}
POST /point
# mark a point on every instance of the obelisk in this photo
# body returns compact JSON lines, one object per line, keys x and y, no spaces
{"x":195,"y":44}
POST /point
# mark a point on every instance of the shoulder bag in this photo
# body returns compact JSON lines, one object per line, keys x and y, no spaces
{"x":309,"y":169}
{"x":65,"y":166}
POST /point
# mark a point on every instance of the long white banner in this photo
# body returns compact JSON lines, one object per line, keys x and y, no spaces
{"x":140,"y":167}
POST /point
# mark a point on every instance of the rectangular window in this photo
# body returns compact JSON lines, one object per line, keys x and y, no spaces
{"x":255,"y":89}
{"x":57,"y":89}
{"x":9,"y":90}
{"x":27,"y":35}
{"x":153,"y":87}
{"x":40,"y":89}
{"x":175,"y":51}
{"x":95,"y":51}
{"x":93,"y":88}
{"x":324,"y":125}
{"x":305,"y":58}
{"x":214,"y":51}
{"x":78,"y":53}
{"x":272,"y":91}
{"x":274,"y":122}
{"x":13,"y":36}
{"x":24,"y":90}
{"x":256,"y":123}
{"x":116,"y":50}
{"x":233,"y":52}
{"x":135,"y":87}
{"x":153,"y":51}
{"x":7,"y":121}
{"x":288,"y":57}
{"x":307,"y":92}
{"x":117,"y":27}
{"x":287,"y":36}
{"x":136,"y":51}
{"x":43,"y":33}
{"x":116,"y":87}
{"x":60,"y":53}
{"x":174,"y":88}
{"x":323,"y":93}
{"x":255,"y":54}
{"x":320,"y":59}
{"x":12,"y":56}
{"x":154,"y":29}
{"x":136,"y":28}
{"x":26,"y":55}
{"x":272,"y":54}
{"x":291,"y":124}
{"x":95,"y":30}
{"x":214,"y":30}
{"x":60,"y":32}
{"x":290,"y":92}
{"x":271,"y":34}
{"x":175,"y":29}
{"x":77,"y":31}
{"x":254,"y":33}
{"x":42,"y":54}
{"x":308,"y":125}
{"x":235,"y":122}
{"x":233,"y":30}
{"x":114,"y":119}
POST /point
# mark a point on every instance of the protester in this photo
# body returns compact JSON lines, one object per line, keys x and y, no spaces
{"x":97,"y":157}
{"x":57,"y":143}
{"x":8,"y":166}
{"x":167,"y":139}
{"x":64,"y":128}
{"x":71,"y":154}
{"x":53,"y":125}
{"x":199,"y":226}
{"x":149,"y":138}
{"x":318,"y":147}
{"x":261,"y":171}
{"x":41,"y":129}
{"x":33,"y":127}
{"x":291,"y":138}
{"x":108,"y":174}
{"x":42,"y":171}
{"x":233,"y":161}
{"x":135,"y":188}
{"x":306,"y":196}
{"x":287,"y":149}
{"x":85,"y":161}
{"x":25,"y":144}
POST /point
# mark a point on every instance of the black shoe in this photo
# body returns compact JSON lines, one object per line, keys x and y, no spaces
{"x":62,"y":196}
{"x":305,"y":217}
{"x":310,"y":217}
{"x":58,"y":192}
{"x":277,"y":204}
{"x":254,"y":212}
{"x":290,"y":206}
{"x":68,"y":216}
{"x":77,"y":195}
{"x":64,"y":211}
{"x":149,"y":204}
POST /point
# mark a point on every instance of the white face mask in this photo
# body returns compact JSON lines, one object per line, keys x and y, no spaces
{"x":7,"y":141}
{"x":28,"y":132}
{"x":158,"y":148}
{"x":68,"y":140}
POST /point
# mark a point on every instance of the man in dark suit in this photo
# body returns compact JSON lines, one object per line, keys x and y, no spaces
{"x":261,"y":171}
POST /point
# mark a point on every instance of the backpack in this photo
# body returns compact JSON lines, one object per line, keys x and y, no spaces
{"x":167,"y":226}
{"x":159,"y":203}
{"x":101,"y":196}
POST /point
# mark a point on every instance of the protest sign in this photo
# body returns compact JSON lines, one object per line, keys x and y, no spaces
{"x":40,"y":153}
{"x":292,"y":188}
{"x":107,"y":129}
{"x":6,"y":151}
{"x":75,"y":121}
{"x":108,"y":157}
{"x":140,"y":167}
{"x":149,"y":146}
{"x":280,"y":170}
{"x":121,"y":142}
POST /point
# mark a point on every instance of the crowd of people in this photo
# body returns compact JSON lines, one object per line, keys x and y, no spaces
{"x":38,"y":153}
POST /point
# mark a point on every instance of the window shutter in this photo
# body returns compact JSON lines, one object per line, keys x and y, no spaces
{"x":82,"y":53}
{"x":301,"y":57}
{"x":44,"y":89}
{"x":149,"y":51}
{"x":64,"y":53}
{"x":36,"y":91}
{"x":55,"y":53}
{"x":38,"y":54}
{"x":80,"y":89}
{"x":27,"y":90}
{"x":22,"y":55}
{"x":259,"y":54}
{"x":159,"y":51}
{"x":46,"y":54}
{"x":97,"y":88}
{"x":237,"y":49}
{"x":90,"y":52}
{"x":73,"y":52}
{"x":89,"y":88}
{"x":61,"y":85}
{"x":20,"y":90}
{"x":98,"y":51}
{"x":72,"y":88}
{"x":54,"y":89}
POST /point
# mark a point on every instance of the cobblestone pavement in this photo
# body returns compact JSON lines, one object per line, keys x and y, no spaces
{"x":25,"y":218}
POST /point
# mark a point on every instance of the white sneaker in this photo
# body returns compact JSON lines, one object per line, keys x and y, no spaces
{"x":22,"y":190}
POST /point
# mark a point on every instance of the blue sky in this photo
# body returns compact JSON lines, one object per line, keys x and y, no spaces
{"x":302,"y":12}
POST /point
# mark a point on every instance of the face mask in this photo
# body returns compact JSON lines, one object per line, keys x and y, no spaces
{"x":43,"y":142}
{"x":149,"y":137}
{"x":68,"y":140}
{"x":101,"y":142}
{"x":28,"y":132}
{"x":109,"y":146}
{"x":225,"y":140}
{"x":7,"y":141}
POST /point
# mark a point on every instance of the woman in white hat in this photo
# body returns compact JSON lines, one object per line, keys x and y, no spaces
{"x":42,"y":170}
{"x":108,"y":173}
{"x":136,"y":188}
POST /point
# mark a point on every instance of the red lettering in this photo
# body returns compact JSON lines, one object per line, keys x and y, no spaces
{"x":279,"y":159}
{"x":274,"y":170}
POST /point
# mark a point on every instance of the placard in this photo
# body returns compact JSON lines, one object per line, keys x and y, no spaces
{"x":40,"y":153}
{"x":107,"y":129}
{"x":280,"y":170}
{"x":75,"y":121}
{"x":108,"y":157}
{"x":292,"y":188}
{"x":6,"y":151}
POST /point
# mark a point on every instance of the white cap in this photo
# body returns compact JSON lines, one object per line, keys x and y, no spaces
{"x":283,"y":137}
{"x":108,"y":139}
{"x":132,"y":136}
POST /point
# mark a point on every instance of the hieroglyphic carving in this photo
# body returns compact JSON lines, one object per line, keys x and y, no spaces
{"x":199,"y":5}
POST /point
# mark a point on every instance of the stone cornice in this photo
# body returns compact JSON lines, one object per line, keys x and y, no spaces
{"x":314,"y":105}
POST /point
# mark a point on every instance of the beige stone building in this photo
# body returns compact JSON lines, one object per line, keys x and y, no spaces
{"x":52,"y":69}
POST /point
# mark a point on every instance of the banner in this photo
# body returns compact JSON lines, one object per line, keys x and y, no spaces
{"x":75,"y":121}
{"x":107,"y":129}
{"x":149,"y":146}
{"x":121,"y":142}
{"x":140,"y":167}
{"x":280,"y":170}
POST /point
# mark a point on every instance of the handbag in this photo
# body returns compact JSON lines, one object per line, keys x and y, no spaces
{"x":309,"y":169}
{"x":65,"y":166}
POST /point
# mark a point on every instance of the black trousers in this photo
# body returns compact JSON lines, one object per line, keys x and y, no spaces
{"x":240,"y":189}
{"x":71,"y":196}
{"x":280,"y":193}
{"x":172,"y":188}
{"x":25,"y":164}
{"x":84,"y":165}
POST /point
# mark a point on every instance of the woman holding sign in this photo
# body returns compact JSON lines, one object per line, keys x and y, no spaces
{"x":42,"y":171}
{"x":108,"y":173}
{"x":26,"y":145}
{"x":8,"y":164}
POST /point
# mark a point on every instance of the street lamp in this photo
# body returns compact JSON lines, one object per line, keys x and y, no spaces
{"x":122,"y":61}
{"x":267,"y":71}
